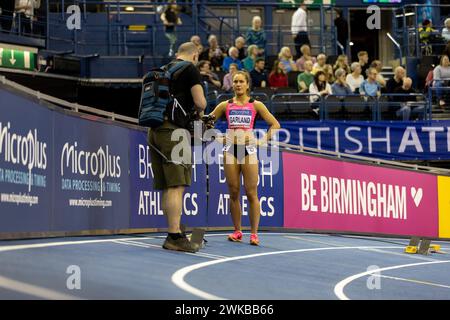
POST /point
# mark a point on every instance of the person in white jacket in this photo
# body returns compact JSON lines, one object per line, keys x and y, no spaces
{"x":446,"y":30}
{"x":25,"y":11}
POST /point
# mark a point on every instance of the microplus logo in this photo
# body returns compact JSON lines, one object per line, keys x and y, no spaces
{"x":99,"y":163}
{"x":26,"y":150}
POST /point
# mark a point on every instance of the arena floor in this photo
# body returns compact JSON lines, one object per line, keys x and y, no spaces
{"x":285,"y":266}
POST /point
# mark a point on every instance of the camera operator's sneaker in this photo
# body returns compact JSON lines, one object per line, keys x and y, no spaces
{"x":235,"y":236}
{"x":180,"y":244}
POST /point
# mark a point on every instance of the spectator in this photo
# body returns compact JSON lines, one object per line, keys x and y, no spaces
{"x":305,"y":79}
{"x":239,"y":43}
{"x":299,"y":27}
{"x":397,"y":81}
{"x":370,"y":87}
{"x":170,"y":19}
{"x":342,"y":63}
{"x":249,"y":62}
{"x":256,"y":35}
{"x":340,"y":86}
{"x":258,"y":74}
{"x":25,"y":10}
{"x":319,"y":87}
{"x":198,"y":43}
{"x":40,"y":19}
{"x":355,"y":78}
{"x":208,"y":76}
{"x":306,"y":55}
{"x":426,"y":33}
{"x":320,"y":64}
{"x":446,"y":51}
{"x":278,"y":77}
{"x":404,"y":110}
{"x":233,"y":57}
{"x":328,"y":69}
{"x":228,"y":79}
{"x":7,"y":9}
{"x":285,"y":57}
{"x":377,"y":64}
{"x":342,"y":30}
{"x":363,"y":57}
{"x":441,"y":78}
{"x":446,"y":30}
{"x":213,"y":53}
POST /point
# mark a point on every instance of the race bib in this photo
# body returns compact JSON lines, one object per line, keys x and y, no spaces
{"x":240,"y":119}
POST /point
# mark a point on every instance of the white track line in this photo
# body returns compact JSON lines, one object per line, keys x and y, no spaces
{"x":339,"y":288}
{"x":33,"y":290}
{"x":148,"y":245}
{"x":414,"y":281}
{"x":57,"y":244}
{"x":374,"y":250}
{"x":178,"y":276}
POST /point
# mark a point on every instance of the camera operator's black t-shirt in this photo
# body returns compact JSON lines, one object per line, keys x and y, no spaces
{"x":181,"y":87}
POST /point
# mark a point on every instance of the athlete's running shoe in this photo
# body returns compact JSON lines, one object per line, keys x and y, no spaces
{"x":254,"y":240}
{"x":235,"y":236}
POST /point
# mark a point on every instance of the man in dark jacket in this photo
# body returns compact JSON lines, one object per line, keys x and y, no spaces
{"x":342,"y":30}
{"x":7,"y":7}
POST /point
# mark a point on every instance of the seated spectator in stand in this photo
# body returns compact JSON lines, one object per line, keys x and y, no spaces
{"x":446,"y":30}
{"x":249,"y":62}
{"x":425,"y":34}
{"x":306,"y":55}
{"x":340,"y":86}
{"x":446,"y":51}
{"x":233,"y":57}
{"x":404,"y":110}
{"x":319,"y":87}
{"x":213,"y":53}
{"x":370,"y":87}
{"x":377,"y":64}
{"x":278,"y":77}
{"x":396,"y":81}
{"x":258,"y":74}
{"x":363,"y":58}
{"x":320,"y":64}
{"x":328,"y":69}
{"x":256,"y":35}
{"x":355,"y":78}
{"x":342,"y":63}
{"x":208,"y":76}
{"x":441,"y":78}
{"x":228,"y":79}
{"x":239,"y":43}
{"x":305,"y":79}
{"x":286,"y":58}
{"x":198,"y":43}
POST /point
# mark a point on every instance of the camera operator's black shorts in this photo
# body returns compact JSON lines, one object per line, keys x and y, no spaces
{"x":168,"y":174}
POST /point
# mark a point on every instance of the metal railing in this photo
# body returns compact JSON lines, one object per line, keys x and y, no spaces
{"x":410,"y":16}
{"x":69,"y":105}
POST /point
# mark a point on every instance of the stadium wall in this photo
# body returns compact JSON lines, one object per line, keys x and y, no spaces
{"x":64,"y":174}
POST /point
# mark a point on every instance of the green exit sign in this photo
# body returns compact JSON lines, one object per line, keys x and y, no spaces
{"x":17,"y":59}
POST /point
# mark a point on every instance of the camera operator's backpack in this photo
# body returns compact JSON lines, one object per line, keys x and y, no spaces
{"x":157,"y":100}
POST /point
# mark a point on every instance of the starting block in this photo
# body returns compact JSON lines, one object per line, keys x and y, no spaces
{"x":197,"y":237}
{"x":422,"y":246}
